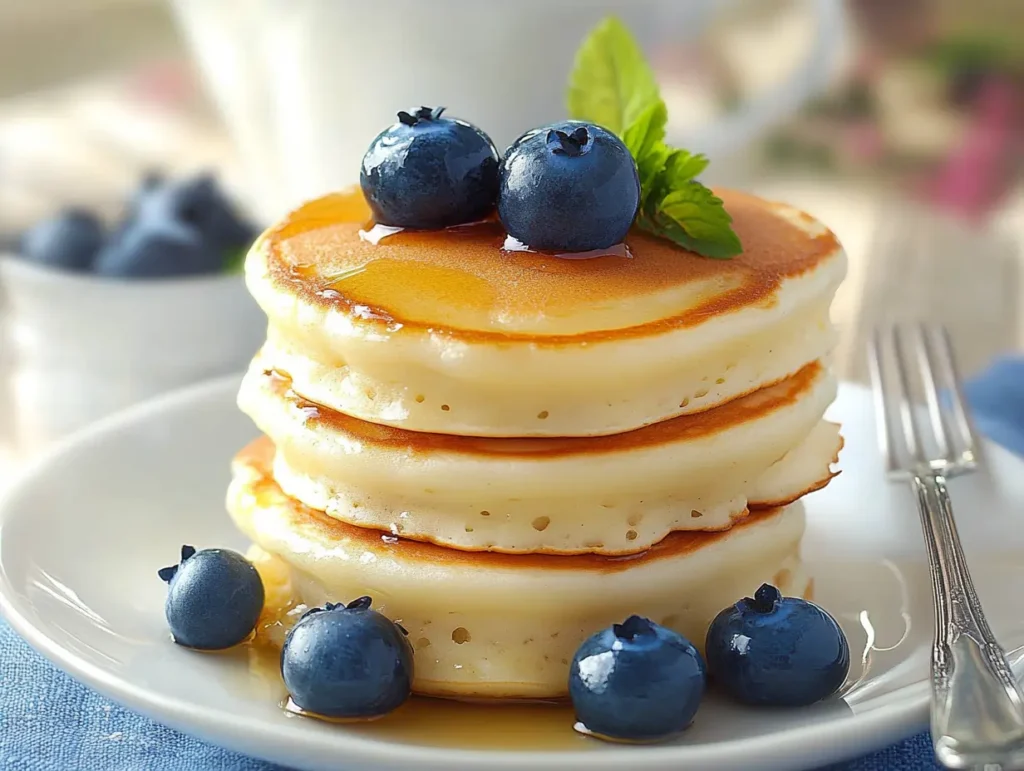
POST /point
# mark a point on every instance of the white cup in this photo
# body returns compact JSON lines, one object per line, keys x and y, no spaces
{"x":305,"y":85}
{"x":77,"y":347}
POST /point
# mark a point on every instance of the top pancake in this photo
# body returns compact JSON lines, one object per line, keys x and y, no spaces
{"x":447,"y":332}
{"x":461,"y":282}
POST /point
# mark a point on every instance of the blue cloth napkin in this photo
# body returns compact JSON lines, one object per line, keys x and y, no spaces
{"x":50,"y":722}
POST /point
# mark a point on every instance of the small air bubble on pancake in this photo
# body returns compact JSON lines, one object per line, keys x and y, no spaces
{"x":720,"y":381}
{"x":634,"y":519}
{"x":423,"y":642}
{"x":701,"y":394}
{"x":485,"y":513}
{"x":631,"y":535}
{"x":461,"y":635}
{"x":445,"y":407}
{"x":694,"y":513}
{"x":371,"y":393}
{"x":542,"y":415}
{"x":420,"y":398}
{"x":730,"y":366}
{"x":684,"y":402}
{"x":541,"y":523}
{"x":469,"y":529}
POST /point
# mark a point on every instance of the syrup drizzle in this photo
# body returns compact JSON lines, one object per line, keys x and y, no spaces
{"x":377,"y":233}
{"x":513,"y":244}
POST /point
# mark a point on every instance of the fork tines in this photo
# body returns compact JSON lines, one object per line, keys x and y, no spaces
{"x":908,"y":362}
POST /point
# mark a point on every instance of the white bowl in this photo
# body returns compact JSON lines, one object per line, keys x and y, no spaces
{"x":78,"y":347}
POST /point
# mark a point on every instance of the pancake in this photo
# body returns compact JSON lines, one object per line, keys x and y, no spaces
{"x":495,"y":625}
{"x":445,"y":332}
{"x":609,"y":495}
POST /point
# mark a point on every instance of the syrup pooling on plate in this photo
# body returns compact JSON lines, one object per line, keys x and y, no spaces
{"x":422,"y":720}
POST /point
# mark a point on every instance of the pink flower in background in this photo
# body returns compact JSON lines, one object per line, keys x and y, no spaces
{"x":863,"y":142}
{"x":974,"y":176}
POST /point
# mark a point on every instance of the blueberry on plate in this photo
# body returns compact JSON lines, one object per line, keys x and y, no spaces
{"x":70,"y":240}
{"x":429,"y":172}
{"x":777,"y":651}
{"x":636,"y":682}
{"x":214,"y":598}
{"x":347,"y":661}
{"x":568,"y":187}
{"x":152,"y":249}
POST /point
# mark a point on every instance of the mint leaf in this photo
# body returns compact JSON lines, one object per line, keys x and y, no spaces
{"x":696,"y":219}
{"x":611,"y":84}
{"x":645,"y":140}
{"x":683,"y":167}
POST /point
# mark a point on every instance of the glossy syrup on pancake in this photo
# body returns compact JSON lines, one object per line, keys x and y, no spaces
{"x":461,"y":282}
{"x":377,"y":233}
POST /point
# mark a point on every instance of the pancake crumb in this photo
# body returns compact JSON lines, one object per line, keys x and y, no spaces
{"x":631,"y":535}
{"x":694,"y":513}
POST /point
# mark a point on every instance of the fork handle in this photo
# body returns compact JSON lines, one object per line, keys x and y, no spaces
{"x":977,"y":713}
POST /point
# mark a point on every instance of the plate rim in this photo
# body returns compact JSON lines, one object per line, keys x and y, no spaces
{"x":860,"y":733}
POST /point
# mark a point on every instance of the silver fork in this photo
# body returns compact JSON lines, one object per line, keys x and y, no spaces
{"x":977,"y":709}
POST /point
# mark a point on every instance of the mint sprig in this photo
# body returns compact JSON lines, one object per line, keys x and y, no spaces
{"x":612,"y":85}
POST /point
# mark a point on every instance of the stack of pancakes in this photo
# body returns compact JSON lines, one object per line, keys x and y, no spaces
{"x":509,"y":451}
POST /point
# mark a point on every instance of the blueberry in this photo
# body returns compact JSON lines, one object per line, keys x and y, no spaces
{"x":775,"y":650}
{"x":195,"y":203}
{"x":70,"y":240}
{"x":158,"y":250}
{"x":636,"y":681}
{"x":347,"y":662}
{"x":430,"y":172}
{"x":214,"y":599}
{"x":568,"y":187}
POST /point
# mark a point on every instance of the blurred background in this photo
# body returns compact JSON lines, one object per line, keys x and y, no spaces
{"x":897,"y":123}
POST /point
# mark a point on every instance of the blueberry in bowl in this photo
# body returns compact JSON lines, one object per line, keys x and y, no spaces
{"x":214,"y":598}
{"x":777,"y":651}
{"x":636,"y":682}
{"x":158,"y":249}
{"x":429,"y":172}
{"x":568,"y":187}
{"x":348,"y":662}
{"x":69,"y":240}
{"x":197,"y":203}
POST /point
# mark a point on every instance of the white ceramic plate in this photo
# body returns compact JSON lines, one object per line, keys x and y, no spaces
{"x":83,"y":533}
